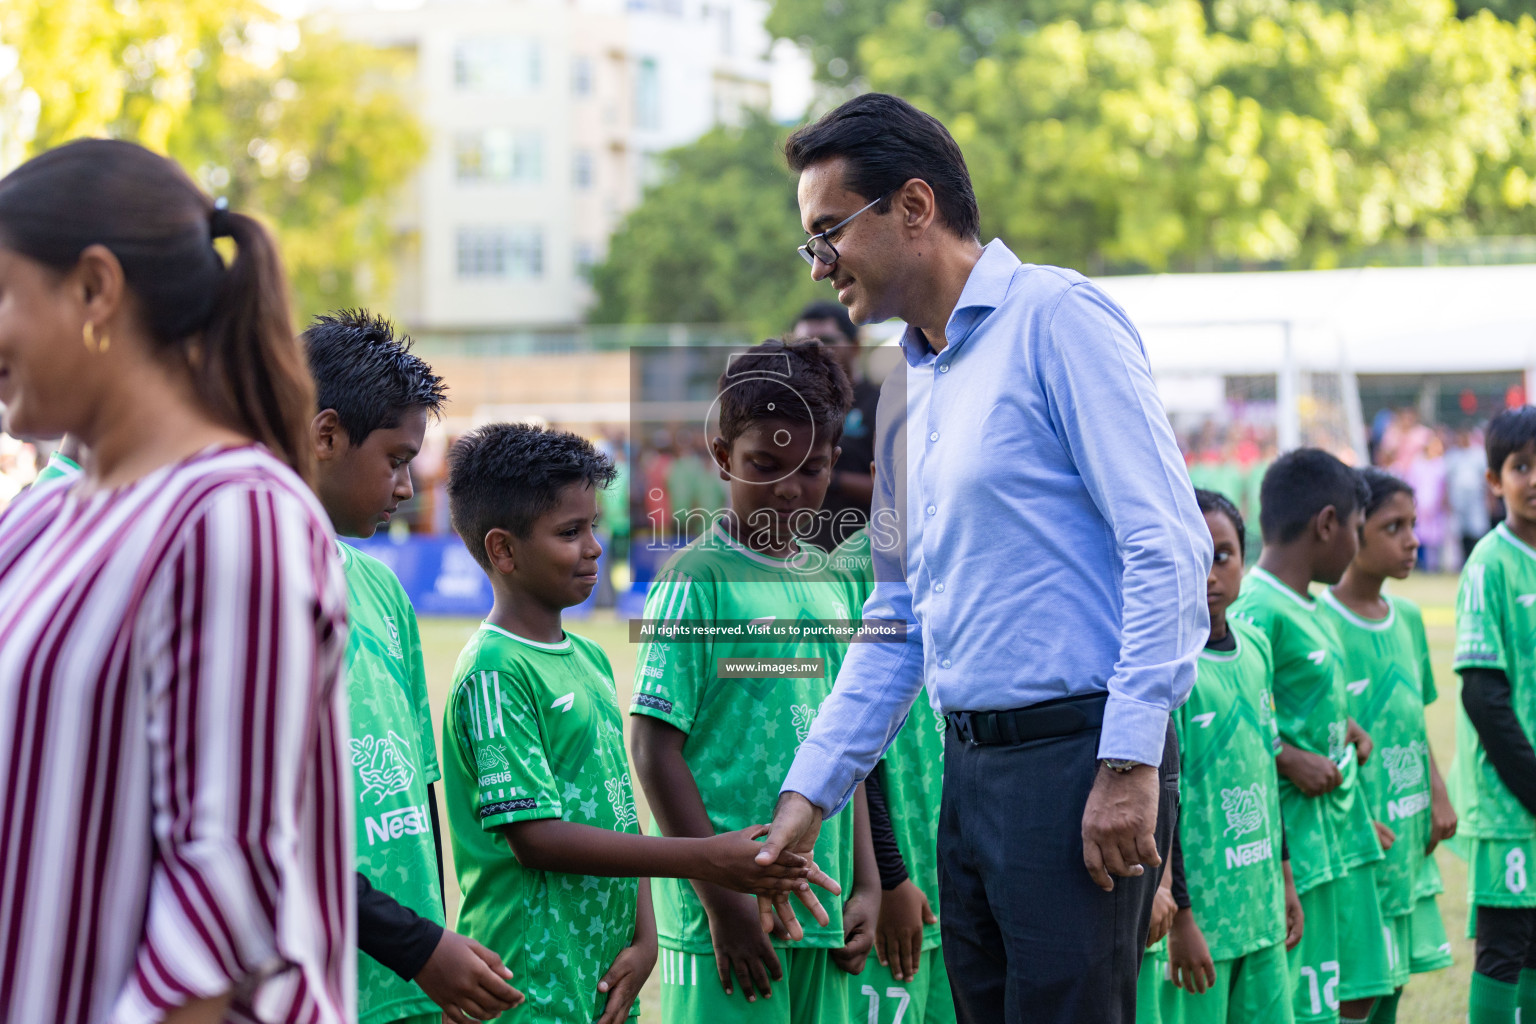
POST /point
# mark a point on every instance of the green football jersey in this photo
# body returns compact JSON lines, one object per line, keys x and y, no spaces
{"x":742,"y":731}
{"x":1495,"y":628}
{"x":1310,"y":713}
{"x":534,"y":731}
{"x":912,"y":771}
{"x":1388,"y":683}
{"x":1229,"y":796}
{"x":394,"y":757}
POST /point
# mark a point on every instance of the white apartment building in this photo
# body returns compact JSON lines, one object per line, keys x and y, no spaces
{"x":545,"y":118}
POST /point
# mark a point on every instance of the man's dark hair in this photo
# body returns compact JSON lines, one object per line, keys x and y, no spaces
{"x":506,"y":475}
{"x":1214,"y":501}
{"x":1379,"y":486}
{"x":1301,"y":484}
{"x":367,"y":373}
{"x":1508,"y":432}
{"x":787,"y":380}
{"x":888,"y":142}
{"x":834,"y":311}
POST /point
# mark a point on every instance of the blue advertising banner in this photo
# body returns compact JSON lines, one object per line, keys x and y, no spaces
{"x":439,"y":575}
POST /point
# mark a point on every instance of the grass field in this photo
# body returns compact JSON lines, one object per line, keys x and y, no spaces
{"x":1438,"y":998}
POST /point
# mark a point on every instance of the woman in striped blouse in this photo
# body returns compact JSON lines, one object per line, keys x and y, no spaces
{"x":174,"y":800}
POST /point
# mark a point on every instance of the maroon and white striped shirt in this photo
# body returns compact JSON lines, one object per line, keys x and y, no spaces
{"x":175,"y":800}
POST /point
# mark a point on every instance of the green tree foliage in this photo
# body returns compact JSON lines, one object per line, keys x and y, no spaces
{"x":714,"y":241}
{"x":302,"y":128}
{"x":1284,"y":133}
{"x":1180,"y":134}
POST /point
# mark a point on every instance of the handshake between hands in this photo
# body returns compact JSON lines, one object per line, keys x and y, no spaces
{"x":740,"y":862}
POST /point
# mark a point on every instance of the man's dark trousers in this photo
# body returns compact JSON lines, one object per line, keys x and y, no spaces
{"x":1028,"y":937}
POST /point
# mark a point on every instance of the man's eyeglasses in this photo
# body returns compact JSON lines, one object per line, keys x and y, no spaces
{"x":818,"y":248}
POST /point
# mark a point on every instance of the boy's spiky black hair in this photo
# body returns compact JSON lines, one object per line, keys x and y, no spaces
{"x":506,"y":475}
{"x":786,"y":380}
{"x":1215,"y":501}
{"x":1381,"y":485}
{"x":367,"y":373}
{"x":1508,"y":432}
{"x":1299,"y":485}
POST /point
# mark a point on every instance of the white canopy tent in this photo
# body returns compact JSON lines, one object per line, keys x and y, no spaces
{"x":1398,"y":320}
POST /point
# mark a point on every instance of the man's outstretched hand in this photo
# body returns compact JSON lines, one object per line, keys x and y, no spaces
{"x":791,"y":837}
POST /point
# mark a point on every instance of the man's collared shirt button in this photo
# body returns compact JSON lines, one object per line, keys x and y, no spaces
{"x":944,"y":663}
{"x":944,"y":368}
{"x":939,"y":587}
{"x":932,"y":509}
{"x":933,"y":436}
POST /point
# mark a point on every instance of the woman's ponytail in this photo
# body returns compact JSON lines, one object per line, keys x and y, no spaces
{"x":250,"y":368}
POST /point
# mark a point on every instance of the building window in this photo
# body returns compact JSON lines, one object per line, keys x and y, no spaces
{"x":499,"y":155}
{"x":581,"y":169}
{"x":647,"y":94}
{"x":586,"y":258}
{"x":581,"y":76}
{"x":503,"y":65}
{"x":501,"y":252}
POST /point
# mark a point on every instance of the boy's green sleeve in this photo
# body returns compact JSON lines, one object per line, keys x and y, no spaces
{"x":1480,"y":618}
{"x":672,"y":675}
{"x":496,"y":723}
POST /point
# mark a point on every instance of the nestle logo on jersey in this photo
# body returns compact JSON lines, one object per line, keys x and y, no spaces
{"x":1408,"y":806}
{"x":650,"y":700}
{"x":1250,"y":853}
{"x":527,"y":803}
{"x":407,"y":821}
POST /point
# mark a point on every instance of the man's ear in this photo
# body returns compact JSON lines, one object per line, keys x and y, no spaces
{"x":721,"y":452}
{"x":327,"y":435}
{"x":499,"y":546}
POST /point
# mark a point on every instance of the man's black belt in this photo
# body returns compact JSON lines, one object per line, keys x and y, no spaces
{"x":1060,"y":717}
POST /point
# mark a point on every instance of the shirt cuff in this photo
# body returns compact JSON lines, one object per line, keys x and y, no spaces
{"x":815,"y":776}
{"x":1133,"y":731}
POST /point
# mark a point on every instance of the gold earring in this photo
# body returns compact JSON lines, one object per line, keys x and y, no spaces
{"x":91,"y":343}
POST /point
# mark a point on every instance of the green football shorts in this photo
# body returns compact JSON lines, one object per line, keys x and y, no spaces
{"x":876,"y":997}
{"x":813,"y":991}
{"x":1428,"y":945}
{"x":1366,"y":963}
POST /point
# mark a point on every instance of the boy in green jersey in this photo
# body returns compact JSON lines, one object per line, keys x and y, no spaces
{"x":1238,"y":910}
{"x":1493,"y":777}
{"x":1310,"y":515}
{"x":374,"y":398}
{"x":540,"y":808}
{"x":1386,"y":663}
{"x":710,"y":744}
{"x":910,"y":983}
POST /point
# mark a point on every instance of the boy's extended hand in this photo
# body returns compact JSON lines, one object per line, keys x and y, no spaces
{"x":1313,"y":774}
{"x":624,"y":979}
{"x":1189,"y":957}
{"x":904,"y":911}
{"x":860,"y":915}
{"x":465,"y":978}
{"x":741,"y":946}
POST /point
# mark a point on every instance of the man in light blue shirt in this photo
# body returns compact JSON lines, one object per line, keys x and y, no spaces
{"x":1051,"y":568}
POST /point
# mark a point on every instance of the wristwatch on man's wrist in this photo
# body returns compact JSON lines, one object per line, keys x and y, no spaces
{"x":1117,"y":765}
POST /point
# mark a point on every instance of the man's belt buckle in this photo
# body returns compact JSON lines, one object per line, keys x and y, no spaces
{"x":961,"y":720}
